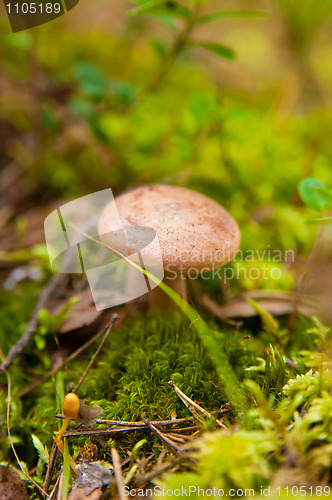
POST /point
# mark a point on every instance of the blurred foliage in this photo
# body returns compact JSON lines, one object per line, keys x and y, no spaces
{"x":273,"y":437}
{"x":317,"y":196}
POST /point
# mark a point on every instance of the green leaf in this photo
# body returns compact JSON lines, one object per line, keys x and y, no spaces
{"x":66,"y":471}
{"x":275,"y":371}
{"x":169,"y":8}
{"x":59,"y":392}
{"x":203,"y":108}
{"x":91,"y":79}
{"x":159,"y":47}
{"x":49,"y":323}
{"x":82,"y":108}
{"x":326,"y":194}
{"x":216,"y":48}
{"x":226,"y":14}
{"x":40,"y":341}
{"x":135,"y":450}
{"x":38,"y":251}
{"x":20,"y":40}
{"x":166,"y":20}
{"x":269,"y":323}
{"x":50,"y":120}
{"x":145,"y":7}
{"x":123,"y":91}
{"x":309,"y":193}
{"x":42,"y":450}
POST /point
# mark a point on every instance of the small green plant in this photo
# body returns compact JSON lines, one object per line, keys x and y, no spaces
{"x":43,"y":457}
{"x":317,"y":196}
{"x":225,"y":461}
{"x":50,"y":324}
{"x":182,"y":37}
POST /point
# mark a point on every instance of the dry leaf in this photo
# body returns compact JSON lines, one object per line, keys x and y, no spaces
{"x":12,"y":487}
{"x":239,"y":307}
{"x":82,"y":313}
{"x":91,"y":476}
{"x":88,"y":414}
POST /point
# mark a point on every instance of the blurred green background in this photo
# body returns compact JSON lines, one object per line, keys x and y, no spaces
{"x":84,"y":107}
{"x":230,"y":99}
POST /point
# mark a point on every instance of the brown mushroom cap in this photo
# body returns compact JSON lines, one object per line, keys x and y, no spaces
{"x":195,"y":233}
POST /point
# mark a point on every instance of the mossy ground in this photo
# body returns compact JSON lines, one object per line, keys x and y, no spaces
{"x":74,"y":120}
{"x":130,"y":377}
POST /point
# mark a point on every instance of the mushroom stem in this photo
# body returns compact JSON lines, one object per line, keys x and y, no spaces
{"x":61,"y":447}
{"x":158,"y":298}
{"x":62,"y":430}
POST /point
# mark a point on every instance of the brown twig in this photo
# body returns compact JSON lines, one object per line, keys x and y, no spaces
{"x":141,"y":424}
{"x":165,"y":439}
{"x":31,"y":327}
{"x":74,"y":354}
{"x":192,"y":406}
{"x":106,"y":431}
{"x":157,"y":472}
{"x":181,"y":438}
{"x":92,"y":360}
{"x":38,"y":493}
{"x":55,"y":489}
{"x":51,"y":467}
{"x":60,"y":365}
{"x":180,"y":430}
{"x":118,"y":473}
{"x":96,"y":432}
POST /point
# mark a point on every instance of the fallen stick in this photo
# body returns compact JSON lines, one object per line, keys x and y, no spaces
{"x":31,"y":327}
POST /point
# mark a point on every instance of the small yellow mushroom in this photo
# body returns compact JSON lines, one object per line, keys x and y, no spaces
{"x":70,"y":409}
{"x":71,"y":405}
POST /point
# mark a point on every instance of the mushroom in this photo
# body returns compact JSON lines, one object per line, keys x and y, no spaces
{"x":70,"y":409}
{"x":195,"y":234}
